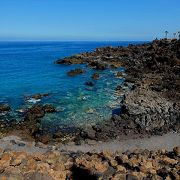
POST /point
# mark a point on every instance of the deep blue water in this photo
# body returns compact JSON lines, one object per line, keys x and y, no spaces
{"x":27,"y":68}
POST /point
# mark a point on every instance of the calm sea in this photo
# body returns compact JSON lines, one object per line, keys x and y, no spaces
{"x":27,"y":68}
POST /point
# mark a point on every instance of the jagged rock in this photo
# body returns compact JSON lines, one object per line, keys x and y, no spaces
{"x":32,"y":118}
{"x":35,"y":112}
{"x":48,"y":108}
{"x":56,"y":165}
{"x":98,"y":65}
{"x":88,"y":133}
{"x":71,"y":60}
{"x":76,"y":72}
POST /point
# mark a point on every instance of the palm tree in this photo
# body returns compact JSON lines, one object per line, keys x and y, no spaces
{"x":174,"y":34}
{"x":166,"y":33}
{"x":179,"y":35}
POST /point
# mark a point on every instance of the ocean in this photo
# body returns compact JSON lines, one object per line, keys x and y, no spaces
{"x":27,"y":68}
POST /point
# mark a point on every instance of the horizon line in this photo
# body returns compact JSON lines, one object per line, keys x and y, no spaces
{"x":46,"y":40}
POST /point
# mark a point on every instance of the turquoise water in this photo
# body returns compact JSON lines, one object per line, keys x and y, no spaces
{"x":27,"y":68}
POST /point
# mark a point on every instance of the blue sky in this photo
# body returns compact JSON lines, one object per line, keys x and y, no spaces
{"x":88,"y":19}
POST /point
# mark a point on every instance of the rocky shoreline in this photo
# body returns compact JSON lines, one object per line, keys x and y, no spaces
{"x":151,"y":106}
{"x":151,"y":94}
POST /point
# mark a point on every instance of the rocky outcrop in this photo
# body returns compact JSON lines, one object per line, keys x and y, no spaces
{"x":55,"y":165}
{"x":33,"y":117}
{"x":151,"y":111}
{"x":150,"y":94}
{"x":151,"y":91}
{"x":75,"y":72}
{"x":48,"y":108}
{"x":98,"y":65}
{"x":71,"y":60}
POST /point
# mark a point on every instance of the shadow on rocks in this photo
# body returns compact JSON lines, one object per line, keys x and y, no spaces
{"x":82,"y":174}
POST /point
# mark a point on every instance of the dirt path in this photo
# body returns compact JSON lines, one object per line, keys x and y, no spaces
{"x":167,"y":141}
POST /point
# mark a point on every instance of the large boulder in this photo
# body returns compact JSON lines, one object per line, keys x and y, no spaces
{"x":32,"y":119}
{"x":88,"y":133}
{"x":34,"y":113}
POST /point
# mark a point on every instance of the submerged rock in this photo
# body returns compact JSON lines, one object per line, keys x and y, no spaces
{"x":4,"y":108}
{"x":49,"y":108}
{"x":95,"y":76}
{"x":75,"y":72}
{"x":89,"y":83}
{"x":37,"y":96}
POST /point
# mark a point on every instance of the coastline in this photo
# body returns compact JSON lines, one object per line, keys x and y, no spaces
{"x":147,"y":123}
{"x":151,"y":99}
{"x":150,"y":104}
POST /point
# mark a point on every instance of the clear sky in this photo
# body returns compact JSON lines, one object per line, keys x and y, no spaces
{"x":88,"y":19}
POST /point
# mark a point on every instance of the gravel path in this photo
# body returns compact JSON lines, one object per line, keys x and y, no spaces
{"x":167,"y":141}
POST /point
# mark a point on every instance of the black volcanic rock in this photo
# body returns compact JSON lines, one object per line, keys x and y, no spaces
{"x":48,"y":108}
{"x":98,"y":65}
{"x":75,"y":72}
{"x":153,"y":77}
{"x":70,"y":60}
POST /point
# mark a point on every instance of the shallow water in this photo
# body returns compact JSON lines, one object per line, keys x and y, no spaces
{"x":27,"y":68}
